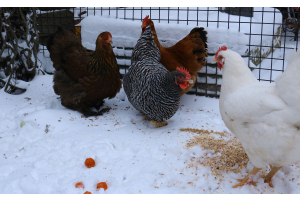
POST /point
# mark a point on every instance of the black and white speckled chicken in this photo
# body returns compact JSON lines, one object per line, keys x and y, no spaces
{"x":149,"y":86}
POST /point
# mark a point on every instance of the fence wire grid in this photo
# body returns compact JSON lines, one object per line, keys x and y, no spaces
{"x":268,"y":34}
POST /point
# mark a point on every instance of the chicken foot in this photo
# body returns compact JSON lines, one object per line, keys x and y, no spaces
{"x":248,"y":178}
{"x":99,"y":104}
{"x":87,"y":112}
{"x":158,"y":124}
{"x":103,"y":110}
{"x":269,"y":176}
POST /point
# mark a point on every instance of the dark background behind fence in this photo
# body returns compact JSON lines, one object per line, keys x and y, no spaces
{"x":50,"y":18}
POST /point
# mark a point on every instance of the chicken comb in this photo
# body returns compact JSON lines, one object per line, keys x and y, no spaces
{"x":144,"y":20}
{"x":186,"y":72}
{"x":223,"y":48}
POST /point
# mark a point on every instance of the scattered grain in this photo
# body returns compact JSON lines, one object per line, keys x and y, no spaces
{"x":222,"y":155}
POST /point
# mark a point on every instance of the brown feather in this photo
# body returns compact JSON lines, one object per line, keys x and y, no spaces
{"x":190,"y":52}
{"x":83,"y":78}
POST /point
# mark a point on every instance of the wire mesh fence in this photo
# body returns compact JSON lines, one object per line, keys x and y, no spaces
{"x":263,"y":36}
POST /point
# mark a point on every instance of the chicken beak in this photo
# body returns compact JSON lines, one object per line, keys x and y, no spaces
{"x":189,"y":81}
{"x":143,"y":25}
{"x":219,"y":65}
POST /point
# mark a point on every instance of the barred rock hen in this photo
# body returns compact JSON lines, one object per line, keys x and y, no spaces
{"x":264,"y":116}
{"x":190,"y":52}
{"x":149,"y":86}
{"x":83,"y":78}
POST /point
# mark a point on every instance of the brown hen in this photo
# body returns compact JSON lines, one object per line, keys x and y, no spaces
{"x":190,"y":52}
{"x":83,"y":78}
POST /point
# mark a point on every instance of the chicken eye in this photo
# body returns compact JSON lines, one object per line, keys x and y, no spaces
{"x":180,"y":77}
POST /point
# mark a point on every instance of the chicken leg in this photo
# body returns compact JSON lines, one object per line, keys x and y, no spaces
{"x":158,"y":124}
{"x":269,"y":176}
{"x":248,"y":178}
{"x":103,"y":110}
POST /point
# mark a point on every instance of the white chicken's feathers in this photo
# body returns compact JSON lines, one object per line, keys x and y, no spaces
{"x":288,"y":83}
{"x":254,"y":102}
{"x":264,"y":116}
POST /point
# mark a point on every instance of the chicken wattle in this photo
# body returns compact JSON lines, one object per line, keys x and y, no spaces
{"x":190,"y":52}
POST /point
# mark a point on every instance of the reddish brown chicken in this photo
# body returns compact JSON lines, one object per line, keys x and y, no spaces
{"x":190,"y":52}
{"x":83,"y":78}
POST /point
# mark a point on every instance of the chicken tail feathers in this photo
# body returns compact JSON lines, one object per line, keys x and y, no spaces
{"x":52,"y":36}
{"x":60,"y":43}
{"x":146,"y":46}
{"x":202,"y":34}
{"x":50,"y":41}
{"x":288,"y":83}
{"x":200,"y":44}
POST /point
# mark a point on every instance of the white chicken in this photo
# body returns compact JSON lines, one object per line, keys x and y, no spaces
{"x":264,"y":116}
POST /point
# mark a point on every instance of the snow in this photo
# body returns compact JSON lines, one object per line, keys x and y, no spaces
{"x":3,"y":34}
{"x":6,"y":15}
{"x":236,"y":38}
{"x":44,"y":60}
{"x":167,"y":33}
{"x":44,"y":145}
{"x":131,"y":155}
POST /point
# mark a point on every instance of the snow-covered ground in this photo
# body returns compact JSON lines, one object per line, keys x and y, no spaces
{"x":43,"y":145}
